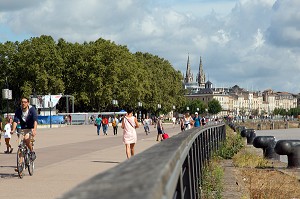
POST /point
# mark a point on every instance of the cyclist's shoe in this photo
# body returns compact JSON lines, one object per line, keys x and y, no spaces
{"x":32,"y":156}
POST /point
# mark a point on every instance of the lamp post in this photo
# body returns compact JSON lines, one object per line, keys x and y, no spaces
{"x":6,"y":94}
{"x":140,"y":104}
{"x":173,"y":107}
{"x":34,"y":99}
{"x":158,"y":107}
{"x":115,"y":104}
{"x":50,"y":106}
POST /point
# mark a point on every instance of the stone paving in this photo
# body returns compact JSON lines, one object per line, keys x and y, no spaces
{"x":67,"y":156}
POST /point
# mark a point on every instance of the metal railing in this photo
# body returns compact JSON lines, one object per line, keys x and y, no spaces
{"x":170,"y":169}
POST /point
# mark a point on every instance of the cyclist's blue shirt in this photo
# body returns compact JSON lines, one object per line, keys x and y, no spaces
{"x":31,"y":118}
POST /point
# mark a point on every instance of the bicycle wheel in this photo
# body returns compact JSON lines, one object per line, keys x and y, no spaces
{"x":30,"y":167}
{"x":20,"y":163}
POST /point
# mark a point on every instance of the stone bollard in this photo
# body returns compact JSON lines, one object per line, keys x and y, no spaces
{"x":249,"y":134}
{"x":267,"y":143}
{"x":291,"y":148}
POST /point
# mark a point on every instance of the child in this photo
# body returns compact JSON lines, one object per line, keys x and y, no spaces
{"x":7,"y":135}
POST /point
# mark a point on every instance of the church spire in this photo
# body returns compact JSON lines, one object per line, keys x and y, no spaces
{"x":201,"y":76}
{"x":188,"y":75}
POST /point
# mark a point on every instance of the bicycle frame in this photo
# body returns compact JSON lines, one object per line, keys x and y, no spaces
{"x":23,"y":159}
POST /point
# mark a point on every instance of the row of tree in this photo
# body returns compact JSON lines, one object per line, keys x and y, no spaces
{"x":95,"y":73}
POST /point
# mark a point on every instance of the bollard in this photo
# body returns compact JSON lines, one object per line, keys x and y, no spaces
{"x":286,"y":125}
{"x":299,"y":125}
{"x":249,"y":134}
{"x":240,"y":128}
{"x":291,"y":148}
{"x":259,"y":126}
{"x":232,"y":126}
{"x":267,"y":143}
{"x":271,"y":125}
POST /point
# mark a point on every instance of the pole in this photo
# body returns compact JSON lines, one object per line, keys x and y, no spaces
{"x":7,"y":108}
{"x":7,"y":97}
{"x":50,"y":112}
{"x":67,"y":104}
{"x":72,"y":104}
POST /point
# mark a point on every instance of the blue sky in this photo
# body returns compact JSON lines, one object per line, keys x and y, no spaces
{"x":252,"y":43}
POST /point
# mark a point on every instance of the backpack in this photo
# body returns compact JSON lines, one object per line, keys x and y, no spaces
{"x":114,"y":123}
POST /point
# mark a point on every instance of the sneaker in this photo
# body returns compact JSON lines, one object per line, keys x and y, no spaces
{"x":6,"y":151}
{"x":32,"y":156}
{"x":11,"y":150}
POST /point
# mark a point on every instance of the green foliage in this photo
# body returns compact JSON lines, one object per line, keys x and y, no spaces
{"x":246,"y":158}
{"x":214,"y":107}
{"x":95,"y":73}
{"x":212,"y":185}
{"x":193,"y":105}
{"x":233,"y":144}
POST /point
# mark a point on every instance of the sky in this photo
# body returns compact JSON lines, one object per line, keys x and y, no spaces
{"x":254,"y":44}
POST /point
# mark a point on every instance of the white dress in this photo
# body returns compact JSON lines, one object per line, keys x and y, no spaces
{"x":129,"y":132}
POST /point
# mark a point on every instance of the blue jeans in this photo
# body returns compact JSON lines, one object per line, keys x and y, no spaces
{"x":104,"y":128}
{"x":98,"y":129}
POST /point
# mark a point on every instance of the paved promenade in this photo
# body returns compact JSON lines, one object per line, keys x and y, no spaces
{"x":67,"y":156}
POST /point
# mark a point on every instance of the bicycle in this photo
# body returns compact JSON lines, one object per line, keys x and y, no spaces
{"x":23,"y":157}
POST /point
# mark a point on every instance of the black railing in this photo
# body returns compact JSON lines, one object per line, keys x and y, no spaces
{"x":170,"y":169}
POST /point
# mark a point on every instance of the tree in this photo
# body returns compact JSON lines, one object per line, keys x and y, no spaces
{"x":214,"y":107}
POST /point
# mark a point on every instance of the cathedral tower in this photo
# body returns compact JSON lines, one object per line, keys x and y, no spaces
{"x":188,"y":76}
{"x":201,"y":76}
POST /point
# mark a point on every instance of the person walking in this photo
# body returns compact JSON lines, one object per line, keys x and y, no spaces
{"x":174,"y":121}
{"x":105,"y":125}
{"x":146,"y":123}
{"x":114,"y":124}
{"x":0,"y":129}
{"x":98,"y":122}
{"x":181,"y":121}
{"x":129,"y":124}
{"x":197,"y":120}
{"x":7,"y":135}
{"x":188,"y":121}
{"x":203,"y":122}
{"x":160,"y":129}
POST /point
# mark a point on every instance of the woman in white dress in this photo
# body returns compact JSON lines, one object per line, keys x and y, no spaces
{"x":129,"y":124}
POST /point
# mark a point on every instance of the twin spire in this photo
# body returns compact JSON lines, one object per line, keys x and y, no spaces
{"x":189,"y":77}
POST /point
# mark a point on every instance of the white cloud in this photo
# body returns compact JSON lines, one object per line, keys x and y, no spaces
{"x":221,"y":37}
{"x":259,"y":40}
{"x":244,"y":42}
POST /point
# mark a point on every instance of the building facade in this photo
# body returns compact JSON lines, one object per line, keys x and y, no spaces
{"x":236,"y":101}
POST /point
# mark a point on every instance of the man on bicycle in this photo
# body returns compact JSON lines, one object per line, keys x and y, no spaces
{"x":27,"y":116}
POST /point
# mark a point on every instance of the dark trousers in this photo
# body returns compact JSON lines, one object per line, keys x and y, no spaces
{"x":115,"y":130}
